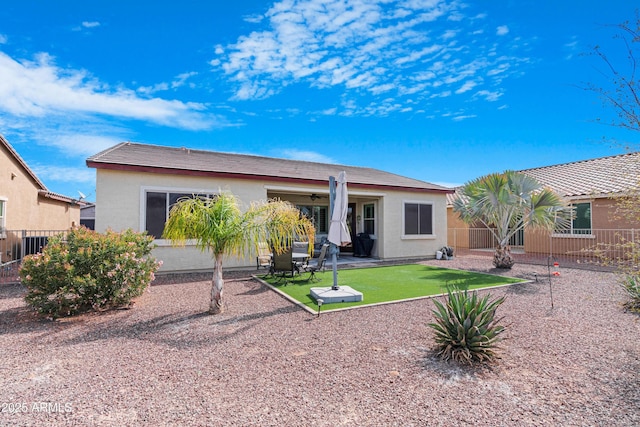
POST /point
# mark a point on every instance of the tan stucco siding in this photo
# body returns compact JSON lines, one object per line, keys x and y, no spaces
{"x":606,"y":225}
{"x":120,"y":195}
{"x":26,"y":209}
{"x":119,"y":199}
{"x":394,"y":244}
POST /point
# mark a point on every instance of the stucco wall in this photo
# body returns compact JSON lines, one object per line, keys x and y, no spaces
{"x":606,"y":229}
{"x":119,"y":197}
{"x":25,"y":209}
{"x":394,"y":244}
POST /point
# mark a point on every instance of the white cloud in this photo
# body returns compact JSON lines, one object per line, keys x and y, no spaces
{"x":467,"y":86}
{"x":368,"y":49}
{"x":573,"y":48}
{"x":490,"y":96}
{"x":463,"y":117}
{"x":38,"y":88}
{"x":179,"y":81}
{"x":90,"y":24}
{"x":329,"y":112}
{"x":158,"y":87}
{"x":64,"y":174}
{"x":79,"y":144}
{"x":254,"y":19}
{"x":308,"y":156}
{"x":502,"y":30}
{"x":3,"y":39}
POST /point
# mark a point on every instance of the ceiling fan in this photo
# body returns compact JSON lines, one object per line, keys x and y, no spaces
{"x":314,"y":197}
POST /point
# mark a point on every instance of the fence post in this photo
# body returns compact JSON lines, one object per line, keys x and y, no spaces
{"x":23,"y":245}
{"x":634,"y":248}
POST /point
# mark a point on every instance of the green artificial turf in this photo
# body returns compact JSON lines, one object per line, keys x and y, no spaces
{"x":386,"y":284}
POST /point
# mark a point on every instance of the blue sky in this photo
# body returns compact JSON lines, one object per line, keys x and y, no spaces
{"x":442,"y":91}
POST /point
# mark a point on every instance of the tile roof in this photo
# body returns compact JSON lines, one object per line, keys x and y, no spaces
{"x":171,"y":160}
{"x":601,"y":177}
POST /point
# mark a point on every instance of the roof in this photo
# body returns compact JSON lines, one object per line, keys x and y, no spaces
{"x":129,"y":156}
{"x":593,"y":178}
{"x":600,"y":177}
{"x":42,"y":189}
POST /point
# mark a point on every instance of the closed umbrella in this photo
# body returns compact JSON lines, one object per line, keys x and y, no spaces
{"x":338,"y":230}
{"x":339,"y":234}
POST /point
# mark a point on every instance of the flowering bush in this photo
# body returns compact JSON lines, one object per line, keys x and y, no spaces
{"x":87,"y":270}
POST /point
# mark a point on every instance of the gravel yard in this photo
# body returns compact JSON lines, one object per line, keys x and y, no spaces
{"x":265,"y":362}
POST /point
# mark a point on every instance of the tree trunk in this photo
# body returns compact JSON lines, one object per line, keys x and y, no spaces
{"x":502,"y":258}
{"x":217,"y":303}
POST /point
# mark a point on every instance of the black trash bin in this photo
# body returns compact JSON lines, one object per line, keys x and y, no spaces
{"x":363,"y":245}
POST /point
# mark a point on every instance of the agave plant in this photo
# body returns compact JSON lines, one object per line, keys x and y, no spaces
{"x":466,"y":328}
{"x":631,"y":284}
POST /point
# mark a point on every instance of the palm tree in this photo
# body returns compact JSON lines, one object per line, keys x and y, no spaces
{"x":220,"y":227}
{"x":508,"y":202}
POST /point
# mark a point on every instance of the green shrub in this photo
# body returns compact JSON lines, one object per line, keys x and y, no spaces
{"x":86,"y":270}
{"x":465,"y":327}
{"x":631,"y":284}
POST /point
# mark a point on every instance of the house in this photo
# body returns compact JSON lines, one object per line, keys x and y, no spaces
{"x":28,"y":210}
{"x":136,"y":184}
{"x":591,"y":187}
{"x":88,"y":216}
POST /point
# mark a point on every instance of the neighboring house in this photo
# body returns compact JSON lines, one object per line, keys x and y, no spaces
{"x":88,"y":216}
{"x":137,"y":184}
{"x":28,"y":207}
{"x":591,"y":187}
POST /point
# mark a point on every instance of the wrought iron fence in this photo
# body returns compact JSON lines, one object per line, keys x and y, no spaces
{"x":15,"y":245}
{"x":604,"y":248}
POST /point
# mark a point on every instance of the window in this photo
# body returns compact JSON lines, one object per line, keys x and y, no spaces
{"x":418,"y":219}
{"x":157,"y":207}
{"x":369,"y":218}
{"x":581,"y":223}
{"x":319,"y":215}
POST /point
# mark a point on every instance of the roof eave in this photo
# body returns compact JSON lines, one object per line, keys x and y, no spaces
{"x":60,"y":198}
{"x":251,"y":177}
{"x":22,"y":163}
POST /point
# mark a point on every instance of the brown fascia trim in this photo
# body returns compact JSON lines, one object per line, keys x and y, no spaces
{"x":249,"y":177}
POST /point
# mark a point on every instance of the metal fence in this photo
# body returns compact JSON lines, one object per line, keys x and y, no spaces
{"x":599,"y":248}
{"x":15,"y":245}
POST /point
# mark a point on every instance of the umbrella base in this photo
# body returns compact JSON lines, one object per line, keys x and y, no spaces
{"x":342,"y":294}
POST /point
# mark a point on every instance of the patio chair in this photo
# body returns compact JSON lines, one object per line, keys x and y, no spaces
{"x":319,"y":264}
{"x":263,"y":260}
{"x":283,"y":265}
{"x":301,"y":248}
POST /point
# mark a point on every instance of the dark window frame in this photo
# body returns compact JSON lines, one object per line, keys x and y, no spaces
{"x":417,"y":219}
{"x":165,"y":199}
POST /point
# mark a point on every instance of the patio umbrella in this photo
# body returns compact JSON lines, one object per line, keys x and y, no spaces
{"x":338,"y":230}
{"x":339,"y":234}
